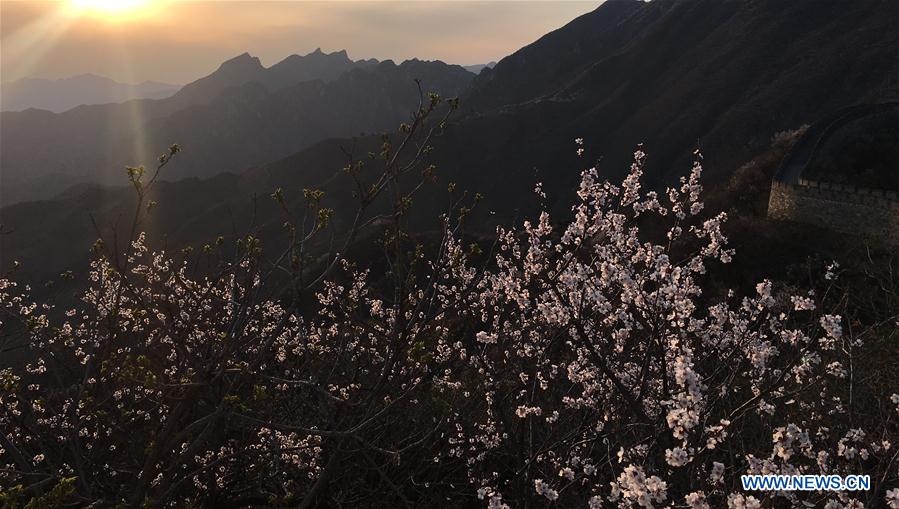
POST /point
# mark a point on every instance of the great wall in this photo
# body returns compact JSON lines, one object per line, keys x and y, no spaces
{"x":871,"y":213}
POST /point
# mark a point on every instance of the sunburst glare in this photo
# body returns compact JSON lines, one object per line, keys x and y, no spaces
{"x":111,"y":9}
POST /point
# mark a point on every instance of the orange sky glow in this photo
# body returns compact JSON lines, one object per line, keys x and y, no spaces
{"x":178,"y":41}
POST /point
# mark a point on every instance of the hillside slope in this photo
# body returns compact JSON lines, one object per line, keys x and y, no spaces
{"x":723,"y":75}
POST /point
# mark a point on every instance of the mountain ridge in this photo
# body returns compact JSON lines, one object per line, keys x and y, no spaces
{"x":245,"y":68}
{"x":58,"y":95}
{"x":286,"y":115}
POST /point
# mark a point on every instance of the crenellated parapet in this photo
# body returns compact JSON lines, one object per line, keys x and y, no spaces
{"x":846,"y":209}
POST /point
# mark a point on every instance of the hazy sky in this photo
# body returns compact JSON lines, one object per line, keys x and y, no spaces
{"x":179,"y":41}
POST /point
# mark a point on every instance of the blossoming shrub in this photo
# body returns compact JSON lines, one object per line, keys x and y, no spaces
{"x":583,"y":366}
{"x":609,"y":379}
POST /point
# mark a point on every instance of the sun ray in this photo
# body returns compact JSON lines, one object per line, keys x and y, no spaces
{"x":111,"y":10}
{"x":140,"y":151}
{"x":27,"y":45}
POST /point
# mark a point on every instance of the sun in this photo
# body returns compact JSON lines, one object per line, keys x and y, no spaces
{"x":110,"y":9}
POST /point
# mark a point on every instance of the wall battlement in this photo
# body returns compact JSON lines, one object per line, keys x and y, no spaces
{"x":846,"y":209}
{"x":850,"y":193}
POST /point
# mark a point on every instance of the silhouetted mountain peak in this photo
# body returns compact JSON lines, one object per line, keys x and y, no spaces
{"x":316,"y":65}
{"x":231,"y":73}
{"x":339,"y":57}
{"x":242,"y":62}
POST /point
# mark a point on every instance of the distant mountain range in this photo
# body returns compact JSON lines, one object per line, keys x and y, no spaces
{"x":674,"y":74}
{"x":241,"y":114}
{"x":246,"y":68}
{"x":64,"y":94}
